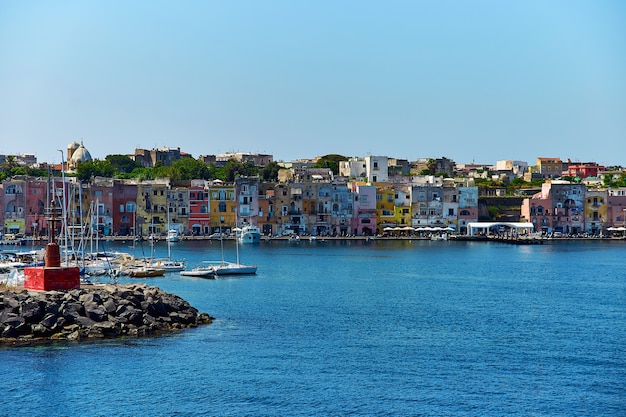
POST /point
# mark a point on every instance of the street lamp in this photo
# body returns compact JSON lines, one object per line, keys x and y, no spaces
{"x":63,"y":208}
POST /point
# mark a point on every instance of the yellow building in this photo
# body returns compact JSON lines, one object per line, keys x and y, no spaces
{"x":385,"y":206}
{"x":402,"y":207}
{"x":152,"y":206}
{"x":596,"y":210}
{"x":549,"y":167}
{"x":223,"y":207}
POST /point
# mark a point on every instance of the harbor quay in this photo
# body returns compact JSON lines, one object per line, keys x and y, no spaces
{"x":29,"y":242}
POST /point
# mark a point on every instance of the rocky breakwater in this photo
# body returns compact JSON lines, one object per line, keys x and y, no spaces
{"x":92,"y":312}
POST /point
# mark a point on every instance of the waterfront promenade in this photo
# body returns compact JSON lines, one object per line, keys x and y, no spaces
{"x":459,"y":238}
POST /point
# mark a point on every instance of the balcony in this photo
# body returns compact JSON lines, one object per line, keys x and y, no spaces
{"x":12,"y":215}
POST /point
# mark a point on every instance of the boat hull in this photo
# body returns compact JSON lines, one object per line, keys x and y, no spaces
{"x":199,"y":273}
{"x":146,"y":273}
{"x":250,"y":234}
{"x":235,"y":270}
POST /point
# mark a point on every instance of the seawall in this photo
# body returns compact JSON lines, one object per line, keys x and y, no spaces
{"x":92,"y":312}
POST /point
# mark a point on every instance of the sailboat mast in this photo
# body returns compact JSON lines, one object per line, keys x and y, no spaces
{"x":237,"y":244}
{"x":169,"y":243}
{"x":64,"y":208}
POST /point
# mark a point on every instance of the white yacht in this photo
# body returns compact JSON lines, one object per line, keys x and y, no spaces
{"x":250,"y":234}
{"x":172,"y":235}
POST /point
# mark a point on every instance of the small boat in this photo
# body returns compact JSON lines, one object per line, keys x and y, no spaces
{"x":146,"y":272}
{"x":11,"y":276}
{"x":172,"y":235}
{"x":234,"y":268}
{"x":223,"y":267}
{"x":213,"y":269}
{"x":200,"y":272}
{"x":169,"y":265}
{"x":250,"y":234}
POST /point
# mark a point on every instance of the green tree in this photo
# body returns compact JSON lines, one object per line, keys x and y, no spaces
{"x":96,"y":168}
{"x":270,"y":172}
{"x":144,"y":173}
{"x":122,"y":163}
{"x":162,"y":171}
{"x":189,"y":169}
{"x":331,"y":162}
{"x":234,"y":168}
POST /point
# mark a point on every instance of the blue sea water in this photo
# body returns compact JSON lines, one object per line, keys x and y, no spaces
{"x":392,"y":328}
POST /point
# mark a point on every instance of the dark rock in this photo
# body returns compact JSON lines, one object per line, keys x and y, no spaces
{"x":39,"y":330}
{"x":24,"y":328}
{"x":90,"y":297}
{"x":32,"y":311}
{"x":94,"y":311}
{"x":85,"y":322}
{"x":109,"y":305}
{"x":52,"y":307}
{"x":135,"y":317}
{"x":71,"y":311}
{"x":10,"y":332}
{"x":7,"y":316}
{"x":11,"y":303}
{"x":49,"y":320}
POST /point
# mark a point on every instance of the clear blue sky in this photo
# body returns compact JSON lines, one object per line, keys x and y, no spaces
{"x":469,"y":80}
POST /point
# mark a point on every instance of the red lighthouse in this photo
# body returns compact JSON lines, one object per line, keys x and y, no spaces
{"x":52,"y":276}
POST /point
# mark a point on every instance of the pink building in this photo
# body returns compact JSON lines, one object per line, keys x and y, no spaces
{"x":537,"y":210}
{"x":199,"y":211}
{"x":584,"y":170}
{"x":37,"y":200}
{"x":124,"y":208}
{"x":364,"y":219}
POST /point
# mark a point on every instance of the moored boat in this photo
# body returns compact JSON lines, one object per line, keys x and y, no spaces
{"x":234,"y":268}
{"x":199,"y":272}
{"x":172,"y":235}
{"x":168,"y":264}
{"x":250,"y":234}
{"x":146,"y":272}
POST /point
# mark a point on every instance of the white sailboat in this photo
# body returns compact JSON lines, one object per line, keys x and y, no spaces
{"x":169,"y":264}
{"x":148,"y":269}
{"x":234,"y":268}
{"x":172,"y":233}
{"x":211,"y":269}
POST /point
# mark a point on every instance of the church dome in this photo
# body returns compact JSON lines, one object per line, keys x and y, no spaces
{"x":73,"y":146}
{"x":81,"y":155}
